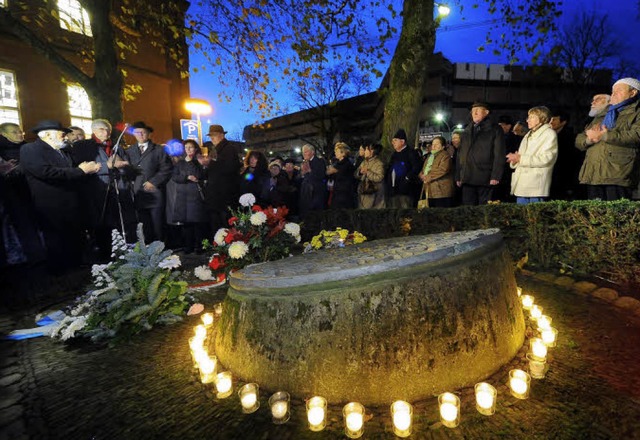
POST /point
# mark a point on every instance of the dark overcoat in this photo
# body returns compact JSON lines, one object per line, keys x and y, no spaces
{"x":223,"y":178}
{"x":481,"y":157}
{"x":185,"y":201}
{"x":153,"y":166}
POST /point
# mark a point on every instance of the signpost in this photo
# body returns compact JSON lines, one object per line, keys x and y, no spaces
{"x":190,"y":129}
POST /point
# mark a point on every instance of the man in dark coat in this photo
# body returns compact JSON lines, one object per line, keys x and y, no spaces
{"x":313,"y":187}
{"x":564,"y":181}
{"x":54,"y":184}
{"x":480,"y":162}
{"x":401,"y":177}
{"x":105,"y":194}
{"x":223,"y":178}
{"x":153,"y":170}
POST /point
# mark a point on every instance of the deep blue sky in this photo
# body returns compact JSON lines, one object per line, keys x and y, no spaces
{"x":458,"y":39}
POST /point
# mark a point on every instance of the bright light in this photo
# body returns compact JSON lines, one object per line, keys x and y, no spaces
{"x":459,"y":126}
{"x":443,"y":10}
{"x":439,"y":117}
{"x":298,"y":150}
{"x":197,"y":106}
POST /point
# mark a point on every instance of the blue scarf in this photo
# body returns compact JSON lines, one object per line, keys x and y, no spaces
{"x":612,"y":113}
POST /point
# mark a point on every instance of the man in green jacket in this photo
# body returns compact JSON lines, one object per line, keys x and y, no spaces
{"x":611,"y":142}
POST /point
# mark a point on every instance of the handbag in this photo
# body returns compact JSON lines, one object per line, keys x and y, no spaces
{"x":368,"y":187}
{"x":423,"y":201}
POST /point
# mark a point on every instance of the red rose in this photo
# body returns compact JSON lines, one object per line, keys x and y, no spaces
{"x":232,"y":220}
{"x":256,"y":208}
{"x":230,"y":238}
{"x":216,"y":262}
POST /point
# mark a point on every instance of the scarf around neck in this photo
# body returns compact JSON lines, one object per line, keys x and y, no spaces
{"x":612,"y":113}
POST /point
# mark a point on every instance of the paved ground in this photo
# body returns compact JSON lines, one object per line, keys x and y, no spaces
{"x":147,"y":389}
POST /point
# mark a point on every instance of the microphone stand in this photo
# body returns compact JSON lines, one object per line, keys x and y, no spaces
{"x":113,"y":182}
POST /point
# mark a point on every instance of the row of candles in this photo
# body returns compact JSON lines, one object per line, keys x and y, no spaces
{"x":354,"y":412}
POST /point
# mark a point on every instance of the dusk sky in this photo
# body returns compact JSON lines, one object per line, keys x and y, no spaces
{"x":458,"y":39}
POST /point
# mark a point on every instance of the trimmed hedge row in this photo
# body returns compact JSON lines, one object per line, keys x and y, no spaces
{"x":591,"y":237}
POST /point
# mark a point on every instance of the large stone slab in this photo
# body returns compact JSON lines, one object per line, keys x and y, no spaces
{"x":384,"y":320}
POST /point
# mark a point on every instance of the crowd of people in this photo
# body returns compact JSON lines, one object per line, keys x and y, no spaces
{"x":63,"y":193}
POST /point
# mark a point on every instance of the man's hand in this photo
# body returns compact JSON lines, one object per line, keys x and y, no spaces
{"x":192,"y":178}
{"x":594,"y":134}
{"x":148,"y":187}
{"x":493,"y":182}
{"x":513,"y":158}
{"x":90,"y":167}
{"x":458,"y":183}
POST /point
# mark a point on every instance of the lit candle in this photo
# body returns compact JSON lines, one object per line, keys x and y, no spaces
{"x":449,"y":409}
{"x":485,"y":398}
{"x":538,"y":348}
{"x":200,"y":331}
{"x":519,"y":290}
{"x":316,"y":412}
{"x":402,"y":413}
{"x":279,"y":404}
{"x":223,"y":384}
{"x":536,"y":366}
{"x":196,"y":343}
{"x":549,"y":336}
{"x":527,"y":301}
{"x":217,"y":309}
{"x":353,"y":419}
{"x":207,"y":319}
{"x":249,"y":398}
{"x":536,"y":311}
{"x":544,"y":322}
{"x":200,"y":356}
{"x":207,"y":368}
{"x":519,"y":384}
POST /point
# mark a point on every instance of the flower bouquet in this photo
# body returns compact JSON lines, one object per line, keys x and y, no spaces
{"x":254,"y":235}
{"x":131,"y":293}
{"x":334,"y":239}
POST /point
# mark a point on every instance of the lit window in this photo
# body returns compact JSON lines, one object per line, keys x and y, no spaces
{"x":73,"y":18}
{"x":79,"y":107}
{"x":3,"y":3}
{"x":9,"y":111}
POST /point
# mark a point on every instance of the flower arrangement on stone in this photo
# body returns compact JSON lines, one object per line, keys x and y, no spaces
{"x":254,"y":235}
{"x":131,"y":293}
{"x":334,"y":239}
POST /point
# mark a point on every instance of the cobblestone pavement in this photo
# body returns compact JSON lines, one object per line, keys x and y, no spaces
{"x":147,"y":389}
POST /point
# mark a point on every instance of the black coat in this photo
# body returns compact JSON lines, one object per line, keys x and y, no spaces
{"x":185,"y":202}
{"x":223,"y":178}
{"x":481,"y":157}
{"x":343,"y":185}
{"x":313,"y":187}
{"x":407,"y":164}
{"x":153,"y":166}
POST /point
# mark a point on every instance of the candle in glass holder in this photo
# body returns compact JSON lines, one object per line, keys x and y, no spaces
{"x":200,"y":331}
{"x":207,"y":366}
{"x":449,"y":405}
{"x":207,"y":319}
{"x":549,"y":336}
{"x":196,"y":343}
{"x":544,"y":322}
{"x":224,"y":385}
{"x":536,"y":366}
{"x":317,"y":413}
{"x":485,"y":398}
{"x":538,"y":348}
{"x":527,"y":301}
{"x":535,"y":312}
{"x":519,"y":290}
{"x":249,"y":398}
{"x":519,"y":383}
{"x":217,"y":309}
{"x":279,"y":404}
{"x":402,"y":414}
{"x":353,"y":413}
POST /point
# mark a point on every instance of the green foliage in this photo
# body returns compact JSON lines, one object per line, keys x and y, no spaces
{"x":588,"y":236}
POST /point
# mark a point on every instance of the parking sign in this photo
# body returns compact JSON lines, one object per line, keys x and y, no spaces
{"x":189,"y":129}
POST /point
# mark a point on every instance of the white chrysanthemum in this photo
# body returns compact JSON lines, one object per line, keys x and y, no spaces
{"x":247,"y":200}
{"x":238,"y":249}
{"x":203,"y":273}
{"x":77,"y":324}
{"x":220,"y":236}
{"x":171,"y":262}
{"x":292,"y":229}
{"x":258,"y":218}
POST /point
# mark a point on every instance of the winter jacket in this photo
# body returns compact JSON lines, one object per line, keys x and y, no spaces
{"x":538,"y":153}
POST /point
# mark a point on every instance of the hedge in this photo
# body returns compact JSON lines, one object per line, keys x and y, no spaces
{"x":588,"y":237}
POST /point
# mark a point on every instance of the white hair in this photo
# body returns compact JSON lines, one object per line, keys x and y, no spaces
{"x":308,"y":147}
{"x":96,"y":123}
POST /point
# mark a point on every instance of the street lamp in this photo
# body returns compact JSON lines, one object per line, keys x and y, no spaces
{"x":443,"y":10}
{"x":440,"y":118}
{"x":199,"y":107}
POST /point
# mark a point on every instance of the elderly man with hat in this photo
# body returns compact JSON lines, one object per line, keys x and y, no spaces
{"x":480,"y":161}
{"x":223,"y":178}
{"x":153,"y":170}
{"x":611,"y":142}
{"x":401,"y":176}
{"x":54,"y":183}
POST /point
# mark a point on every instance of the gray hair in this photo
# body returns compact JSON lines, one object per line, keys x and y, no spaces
{"x":4,"y":127}
{"x":96,"y":123}
{"x":308,"y":147}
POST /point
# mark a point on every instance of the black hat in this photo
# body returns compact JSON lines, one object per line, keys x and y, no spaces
{"x":480,"y":104}
{"x":216,"y":128}
{"x":49,"y":124}
{"x":141,"y":124}
{"x":400,"y":134}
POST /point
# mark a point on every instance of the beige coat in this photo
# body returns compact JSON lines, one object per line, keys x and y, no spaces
{"x":439,"y":182}
{"x":375,"y":173}
{"x":538,"y":153}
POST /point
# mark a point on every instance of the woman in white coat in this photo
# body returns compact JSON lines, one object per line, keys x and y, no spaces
{"x":534,"y":160}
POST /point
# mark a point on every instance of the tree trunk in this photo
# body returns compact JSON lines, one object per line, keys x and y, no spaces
{"x":105,"y":88}
{"x":408,"y":71}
